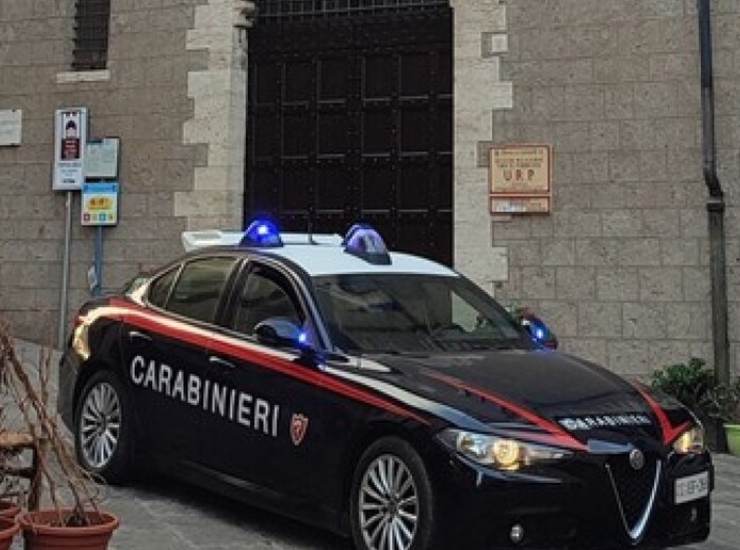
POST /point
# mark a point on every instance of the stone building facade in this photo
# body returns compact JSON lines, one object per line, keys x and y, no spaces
{"x":173,"y":91}
{"x":619,"y":268}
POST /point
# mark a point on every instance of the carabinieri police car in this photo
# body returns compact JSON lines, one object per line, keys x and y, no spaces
{"x":379,"y":395}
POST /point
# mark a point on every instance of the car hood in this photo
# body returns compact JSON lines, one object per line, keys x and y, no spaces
{"x":532,"y":390}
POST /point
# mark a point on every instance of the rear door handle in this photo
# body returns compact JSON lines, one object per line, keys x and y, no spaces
{"x":136,"y":335}
{"x":213,"y":360}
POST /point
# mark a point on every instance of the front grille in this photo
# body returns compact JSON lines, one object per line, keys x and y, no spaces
{"x":633,"y":487}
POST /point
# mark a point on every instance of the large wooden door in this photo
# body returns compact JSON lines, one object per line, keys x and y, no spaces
{"x":350,"y":119}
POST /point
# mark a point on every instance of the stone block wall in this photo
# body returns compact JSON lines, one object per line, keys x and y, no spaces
{"x":480,"y":37}
{"x":146,"y":97}
{"x":620,"y":268}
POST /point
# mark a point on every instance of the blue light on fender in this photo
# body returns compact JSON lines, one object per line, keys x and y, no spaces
{"x":365,"y":242}
{"x":540,"y":332}
{"x":262,"y":234}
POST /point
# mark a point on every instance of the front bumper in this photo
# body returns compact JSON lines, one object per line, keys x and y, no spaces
{"x":570,"y":506}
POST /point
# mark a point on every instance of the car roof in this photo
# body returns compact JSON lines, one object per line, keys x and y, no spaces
{"x":325,"y":260}
{"x":317,"y":255}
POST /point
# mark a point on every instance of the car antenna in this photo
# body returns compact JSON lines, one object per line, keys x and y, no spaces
{"x":310,"y":229}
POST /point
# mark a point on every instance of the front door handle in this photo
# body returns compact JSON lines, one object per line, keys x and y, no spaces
{"x":136,"y":335}
{"x":213,"y":360}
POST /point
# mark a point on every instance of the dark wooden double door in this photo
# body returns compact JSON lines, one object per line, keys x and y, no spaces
{"x":350,"y":119}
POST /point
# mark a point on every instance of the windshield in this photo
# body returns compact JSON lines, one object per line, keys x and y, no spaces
{"x":413,"y":314}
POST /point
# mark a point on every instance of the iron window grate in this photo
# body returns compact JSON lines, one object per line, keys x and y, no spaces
{"x":92,"y":21}
{"x":303,"y":9}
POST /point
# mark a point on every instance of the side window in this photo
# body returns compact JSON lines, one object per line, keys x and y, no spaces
{"x":267,"y":294}
{"x":198,"y":290}
{"x":160,"y":288}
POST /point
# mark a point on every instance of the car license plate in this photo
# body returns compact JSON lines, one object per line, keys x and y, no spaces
{"x":692,"y":487}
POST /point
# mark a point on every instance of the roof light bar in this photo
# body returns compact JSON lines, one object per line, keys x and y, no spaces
{"x":195,"y":240}
{"x":365,"y":242}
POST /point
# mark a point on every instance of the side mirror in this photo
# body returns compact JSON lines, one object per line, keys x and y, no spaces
{"x":537,"y":328}
{"x":280,"y":332}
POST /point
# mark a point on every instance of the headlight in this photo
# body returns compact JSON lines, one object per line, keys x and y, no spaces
{"x":500,"y":452}
{"x":690,"y":442}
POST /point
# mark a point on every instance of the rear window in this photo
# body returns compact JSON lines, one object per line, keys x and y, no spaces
{"x":160,"y":289}
{"x":198,"y":289}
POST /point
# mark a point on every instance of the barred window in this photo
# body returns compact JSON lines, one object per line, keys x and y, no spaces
{"x":92,"y":20}
{"x":297,"y":9}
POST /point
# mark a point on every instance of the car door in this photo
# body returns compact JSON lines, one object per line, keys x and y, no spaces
{"x":140,"y":346}
{"x":263,"y":443}
{"x":301,"y":419}
{"x":170,"y":368}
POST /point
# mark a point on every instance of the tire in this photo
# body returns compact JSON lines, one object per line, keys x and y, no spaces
{"x":114,"y":429}
{"x":405,"y":460}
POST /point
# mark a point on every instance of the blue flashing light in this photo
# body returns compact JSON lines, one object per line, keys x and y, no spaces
{"x":365,"y":242}
{"x":262,"y":234}
{"x":541,"y":333}
{"x":302,"y":338}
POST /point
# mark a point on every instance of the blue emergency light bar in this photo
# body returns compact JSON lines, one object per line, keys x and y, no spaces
{"x":365,"y":242}
{"x":262,"y":234}
{"x":362,"y":240}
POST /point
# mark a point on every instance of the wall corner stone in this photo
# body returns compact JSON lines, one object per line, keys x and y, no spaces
{"x":219,"y":94}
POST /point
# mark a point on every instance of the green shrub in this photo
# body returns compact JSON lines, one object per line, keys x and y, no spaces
{"x":693,"y":384}
{"x":687,"y":382}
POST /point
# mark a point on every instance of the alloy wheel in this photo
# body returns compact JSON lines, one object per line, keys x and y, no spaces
{"x":100,"y":425}
{"x":389,"y":505}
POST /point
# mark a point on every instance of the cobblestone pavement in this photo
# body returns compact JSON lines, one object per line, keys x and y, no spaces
{"x":167,"y":516}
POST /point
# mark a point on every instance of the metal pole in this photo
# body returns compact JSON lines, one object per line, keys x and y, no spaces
{"x":715,"y":210}
{"x":98,"y":261}
{"x":718,"y":273}
{"x":64,"y":294}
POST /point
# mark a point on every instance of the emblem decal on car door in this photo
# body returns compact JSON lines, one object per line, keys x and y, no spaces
{"x":298,"y":428}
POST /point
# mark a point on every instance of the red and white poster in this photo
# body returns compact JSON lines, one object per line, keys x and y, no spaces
{"x":70,"y":139}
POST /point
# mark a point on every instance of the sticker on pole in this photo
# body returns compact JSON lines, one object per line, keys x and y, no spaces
{"x":100,"y":203}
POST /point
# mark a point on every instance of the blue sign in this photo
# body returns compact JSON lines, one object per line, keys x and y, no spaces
{"x":100,"y":203}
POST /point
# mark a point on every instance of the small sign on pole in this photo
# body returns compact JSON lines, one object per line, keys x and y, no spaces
{"x":101,"y":159}
{"x":100,"y":204}
{"x":70,"y":142}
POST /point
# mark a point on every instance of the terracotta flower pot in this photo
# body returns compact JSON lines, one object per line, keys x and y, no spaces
{"x":8,"y":509}
{"x":8,"y":530}
{"x":43,"y":532}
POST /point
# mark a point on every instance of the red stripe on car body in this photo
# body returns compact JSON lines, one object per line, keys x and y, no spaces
{"x":143,"y":318}
{"x":670,"y":432}
{"x":556,"y":435}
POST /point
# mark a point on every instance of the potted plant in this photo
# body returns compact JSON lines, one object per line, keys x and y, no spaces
{"x":733,"y":437}
{"x":694,"y":385}
{"x":78,"y":525}
{"x":723,"y":402}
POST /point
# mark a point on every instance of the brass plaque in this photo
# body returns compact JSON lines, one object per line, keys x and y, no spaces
{"x":521,"y":169}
